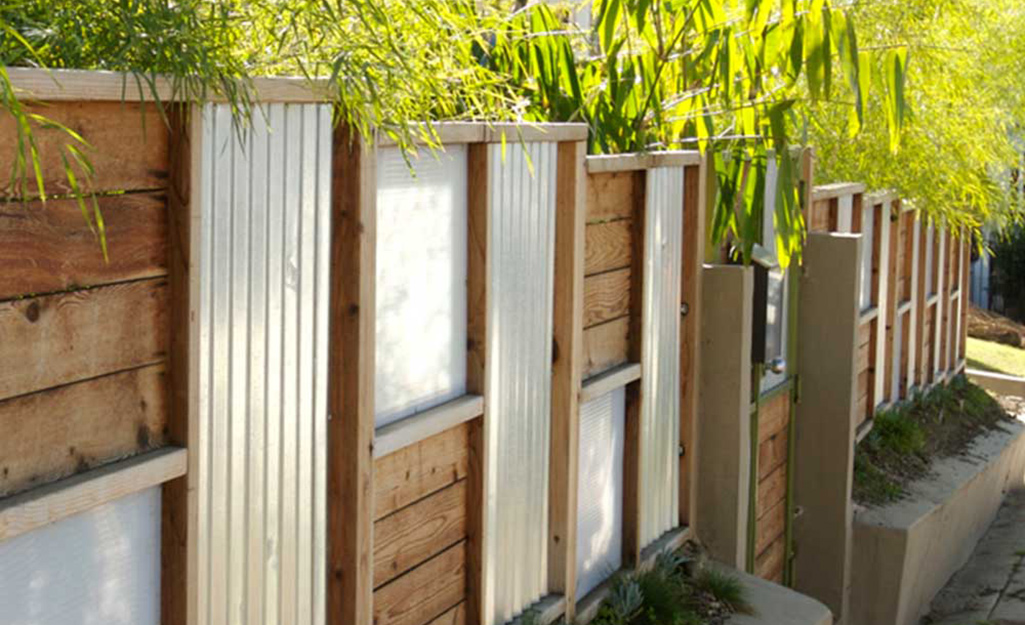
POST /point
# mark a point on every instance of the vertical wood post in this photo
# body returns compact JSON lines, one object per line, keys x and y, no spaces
{"x":178,"y":509}
{"x":478,"y":271}
{"x":915,"y":315}
{"x":567,"y":371}
{"x":690,"y":344}
{"x":351,"y":375}
{"x":632,"y":452}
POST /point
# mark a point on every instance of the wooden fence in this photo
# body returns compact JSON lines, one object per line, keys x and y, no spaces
{"x":913,"y":316}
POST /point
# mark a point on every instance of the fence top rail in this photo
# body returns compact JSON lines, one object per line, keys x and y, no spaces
{"x":880,"y":197}
{"x":835,"y":190}
{"x":95,"y":85}
{"x":631,"y":162}
{"x":453,"y":133}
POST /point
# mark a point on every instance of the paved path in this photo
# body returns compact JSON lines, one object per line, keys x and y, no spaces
{"x":990,"y":589}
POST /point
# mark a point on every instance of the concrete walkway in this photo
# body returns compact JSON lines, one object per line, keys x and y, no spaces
{"x":990,"y":589}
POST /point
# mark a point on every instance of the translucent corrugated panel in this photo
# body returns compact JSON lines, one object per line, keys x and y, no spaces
{"x":898,"y":350}
{"x":600,"y":490}
{"x":262,"y":244}
{"x":930,"y":235}
{"x":867,"y":242}
{"x":660,"y":349}
{"x":776,"y":305}
{"x":882,"y":231}
{"x":845,"y":213}
{"x":943,"y":301}
{"x":101,"y":566}
{"x":421,"y":282}
{"x":521,"y":206}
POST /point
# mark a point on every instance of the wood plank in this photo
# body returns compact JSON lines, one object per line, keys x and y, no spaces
{"x":769,"y":564}
{"x":351,"y":394}
{"x":606,"y":346}
{"x":419,"y":532}
{"x":567,"y":372}
{"x":609,"y":381}
{"x":600,"y":163}
{"x":771,"y":491}
{"x":425,"y":593}
{"x":64,"y":338}
{"x":75,"y":428}
{"x":419,"y":427}
{"x":178,"y":510}
{"x":48,"y":504}
{"x":477,"y":305}
{"x":128,"y":147}
{"x":773,"y":416}
{"x":694,"y":201}
{"x":862,"y":363}
{"x":455,"y":616}
{"x":49,"y":247}
{"x":613,"y":195}
{"x":606,"y":297}
{"x":633,"y":450}
{"x":819,"y":221}
{"x":608,"y":246}
{"x":416,"y":471}
{"x":772,"y":454}
{"x":770,"y":527}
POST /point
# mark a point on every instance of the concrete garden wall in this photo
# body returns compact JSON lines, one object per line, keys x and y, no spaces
{"x":906,"y":551}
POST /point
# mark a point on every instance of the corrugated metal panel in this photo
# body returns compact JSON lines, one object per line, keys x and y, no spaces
{"x":98,"y":567}
{"x":867,"y":233}
{"x":777,"y":306}
{"x":660,"y":352}
{"x":930,"y":248}
{"x":264,"y":239}
{"x":421,"y":282}
{"x":600,"y":493}
{"x":882,"y":230}
{"x":521,"y":207}
{"x":898,"y":349}
{"x":941,"y":302}
{"x":917,"y":314}
{"x":844,"y":213}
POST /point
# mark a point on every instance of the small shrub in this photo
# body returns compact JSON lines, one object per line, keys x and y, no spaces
{"x":725,"y":588}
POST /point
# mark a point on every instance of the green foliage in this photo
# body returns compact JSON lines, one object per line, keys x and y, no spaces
{"x":725,"y":588}
{"x":1009,"y":272}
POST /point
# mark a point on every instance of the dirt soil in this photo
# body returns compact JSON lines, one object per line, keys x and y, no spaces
{"x":989,"y":326}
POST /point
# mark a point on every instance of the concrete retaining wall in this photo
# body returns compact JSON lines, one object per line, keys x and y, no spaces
{"x":773,"y":604}
{"x":905,"y":552}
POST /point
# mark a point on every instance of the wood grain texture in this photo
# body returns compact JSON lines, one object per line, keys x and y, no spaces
{"x":59,"y":432}
{"x":74,"y":495}
{"x":606,"y":297}
{"x":419,"y":532}
{"x":567,"y":372}
{"x":613,"y":195}
{"x":693,"y":253}
{"x":426,"y":592}
{"x":414,"y":472}
{"x":770,"y":527}
{"x":455,"y":616}
{"x":771,"y":490}
{"x":128,"y":147}
{"x":772,"y":454}
{"x":769,"y":563}
{"x":64,"y":338}
{"x":606,"y":346}
{"x":49,"y":247}
{"x":608,"y":246}
{"x":773,"y":416}
{"x":351,"y":391}
{"x":633,"y":450}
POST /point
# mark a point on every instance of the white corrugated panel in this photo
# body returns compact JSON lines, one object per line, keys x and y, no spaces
{"x":882,"y":231}
{"x":941,"y":302}
{"x":101,"y":567}
{"x":776,"y":305}
{"x":262,"y":242}
{"x":521,"y":207}
{"x":898,"y":350}
{"x":844,"y":213}
{"x":868,"y":213}
{"x":600,"y":489}
{"x":930,"y":236}
{"x":421,"y":282}
{"x":660,"y":352}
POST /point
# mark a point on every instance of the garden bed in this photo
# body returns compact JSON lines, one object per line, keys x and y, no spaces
{"x":936,"y":473}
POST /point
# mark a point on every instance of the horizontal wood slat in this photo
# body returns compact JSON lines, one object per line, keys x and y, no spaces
{"x":608,"y":246}
{"x":606,"y":297}
{"x":612,"y":195}
{"x":773,"y":416}
{"x":128,"y":147}
{"x":455,"y":616}
{"x":606,"y":346}
{"x":48,"y":247}
{"x":769,"y":564}
{"x":423,"y":425}
{"x":414,"y":472}
{"x":772,"y":490}
{"x":74,"y":495}
{"x":74,"y":428}
{"x":598,"y":385}
{"x":770,"y":527}
{"x":58,"y":339}
{"x":426,"y":592}
{"x":772,"y":454}
{"x":418,"y":532}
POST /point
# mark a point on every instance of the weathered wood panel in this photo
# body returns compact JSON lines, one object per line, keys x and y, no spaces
{"x":773,"y":416}
{"x":606,"y":346}
{"x":412,"y":473}
{"x":418,"y":532}
{"x":58,"y":339}
{"x":772,"y":454}
{"x":455,"y":616}
{"x":608,"y":246}
{"x":770,"y":527}
{"x":128,"y":147}
{"x":769,"y":563}
{"x":771,"y":491}
{"x":613,"y":195}
{"x":819,"y":218}
{"x":606,"y":297}
{"x":50,"y":247}
{"x":70,"y":429}
{"x":424,"y":593}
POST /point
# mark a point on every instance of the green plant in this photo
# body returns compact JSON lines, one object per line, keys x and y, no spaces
{"x":666,"y":601}
{"x":726,"y":589}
